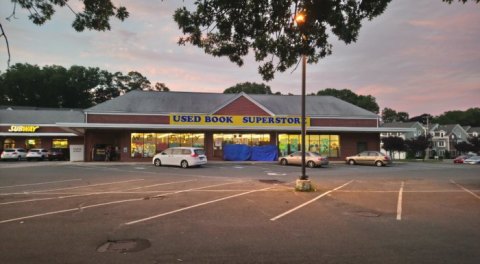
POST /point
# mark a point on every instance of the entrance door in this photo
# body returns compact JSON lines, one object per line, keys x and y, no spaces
{"x":361,"y":146}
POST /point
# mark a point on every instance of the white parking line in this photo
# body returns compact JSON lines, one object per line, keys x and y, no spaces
{"x":159,"y":184}
{"x":70,"y":188}
{"x":196,"y":205}
{"x":107,"y":203}
{"x":465,"y":189}
{"x":309,"y":202}
{"x":399,"y":203}
{"x":39,"y":183}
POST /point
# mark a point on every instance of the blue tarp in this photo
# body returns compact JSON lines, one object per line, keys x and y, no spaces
{"x":238,"y":152}
{"x":265,"y":153}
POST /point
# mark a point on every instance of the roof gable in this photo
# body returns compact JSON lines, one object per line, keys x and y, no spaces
{"x":243,"y":105}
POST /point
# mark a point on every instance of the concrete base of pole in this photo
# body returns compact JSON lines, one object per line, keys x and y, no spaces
{"x":304,"y":186}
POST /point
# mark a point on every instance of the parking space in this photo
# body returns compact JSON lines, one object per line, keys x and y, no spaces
{"x":240,"y":213}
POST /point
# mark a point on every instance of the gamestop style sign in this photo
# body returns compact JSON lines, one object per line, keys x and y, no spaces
{"x":232,"y":120}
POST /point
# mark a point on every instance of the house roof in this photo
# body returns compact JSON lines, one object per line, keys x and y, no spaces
{"x":401,"y":124}
{"x":153,"y":102}
{"x":40,"y":116}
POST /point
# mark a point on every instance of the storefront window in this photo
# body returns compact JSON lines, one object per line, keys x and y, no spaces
{"x":325,"y":145}
{"x":245,"y":139}
{"x":60,"y":143}
{"x":9,"y":143}
{"x":148,"y":144}
{"x":33,"y":143}
{"x":162,"y":141}
{"x":198,"y":140}
{"x":137,"y":145}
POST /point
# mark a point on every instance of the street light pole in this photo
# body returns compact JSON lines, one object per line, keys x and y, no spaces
{"x":303,"y":130}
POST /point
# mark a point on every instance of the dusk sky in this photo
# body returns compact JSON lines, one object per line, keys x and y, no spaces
{"x":419,"y":56}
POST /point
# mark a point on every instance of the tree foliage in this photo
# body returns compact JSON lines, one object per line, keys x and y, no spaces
{"x":96,"y":14}
{"x":470,"y":117}
{"x":232,"y":28}
{"x":389,"y":115}
{"x":367,"y":102}
{"x":391,"y":144}
{"x":418,"y":145}
{"x":76,"y":87}
{"x":249,"y":88}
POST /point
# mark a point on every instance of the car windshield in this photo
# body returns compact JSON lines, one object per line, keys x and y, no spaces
{"x":199,"y":151}
{"x":315,"y":154}
{"x":9,"y":150}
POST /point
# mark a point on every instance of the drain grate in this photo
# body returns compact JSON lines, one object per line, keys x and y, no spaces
{"x":124,"y":245}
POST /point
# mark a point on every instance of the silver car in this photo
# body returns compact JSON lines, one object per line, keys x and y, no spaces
{"x":312,"y":159}
{"x":376,"y":158}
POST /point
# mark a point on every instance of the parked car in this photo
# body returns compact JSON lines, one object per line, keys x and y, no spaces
{"x":376,"y":158}
{"x":13,"y":154}
{"x":472,"y":160}
{"x":56,"y":154}
{"x":37,"y":154}
{"x":180,"y":156}
{"x":461,"y":158}
{"x":312,"y":159}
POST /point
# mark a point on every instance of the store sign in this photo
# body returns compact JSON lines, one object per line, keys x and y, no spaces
{"x":21,"y":129}
{"x":232,"y":120}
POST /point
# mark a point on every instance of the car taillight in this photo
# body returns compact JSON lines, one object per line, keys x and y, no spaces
{"x":386,"y":158}
{"x":194,"y":155}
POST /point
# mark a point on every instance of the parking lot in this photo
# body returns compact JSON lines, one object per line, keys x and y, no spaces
{"x":62,"y":212}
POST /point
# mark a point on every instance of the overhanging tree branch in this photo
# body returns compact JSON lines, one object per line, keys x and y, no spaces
{"x":6,"y":41}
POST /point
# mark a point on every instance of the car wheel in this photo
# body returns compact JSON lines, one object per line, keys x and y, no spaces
{"x":378,"y":164}
{"x":157,"y":163}
{"x":311,"y":164}
{"x":184,"y":164}
{"x":284,"y":162}
{"x":351,"y":162}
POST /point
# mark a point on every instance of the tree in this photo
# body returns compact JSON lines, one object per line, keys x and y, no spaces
{"x":464,"y":147}
{"x":56,"y":86}
{"x":367,"y":102}
{"x":417,"y":146}
{"x":161,"y":87}
{"x":389,"y":115}
{"x":393,"y":144}
{"x":470,"y":117}
{"x":249,"y":88}
{"x":226,"y":28}
{"x":232,"y":28}
{"x":96,"y":14}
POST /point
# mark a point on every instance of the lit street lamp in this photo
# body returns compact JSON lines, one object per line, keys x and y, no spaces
{"x":300,"y":19}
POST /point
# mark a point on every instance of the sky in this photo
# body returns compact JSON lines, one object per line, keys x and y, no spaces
{"x":419,"y":56}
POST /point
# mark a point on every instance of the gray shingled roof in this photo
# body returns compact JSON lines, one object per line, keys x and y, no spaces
{"x":152,"y":102}
{"x":40,"y":116}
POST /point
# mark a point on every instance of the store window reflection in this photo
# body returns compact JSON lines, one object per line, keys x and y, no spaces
{"x":325,"y":145}
{"x":148,"y":144}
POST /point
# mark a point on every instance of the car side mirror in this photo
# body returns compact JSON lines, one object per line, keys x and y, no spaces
{"x":163,"y":153}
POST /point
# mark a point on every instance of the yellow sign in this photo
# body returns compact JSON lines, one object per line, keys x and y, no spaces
{"x":23,"y":128}
{"x":232,"y":120}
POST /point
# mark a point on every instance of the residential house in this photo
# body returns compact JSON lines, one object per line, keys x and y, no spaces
{"x":445,"y":137}
{"x":416,"y":130}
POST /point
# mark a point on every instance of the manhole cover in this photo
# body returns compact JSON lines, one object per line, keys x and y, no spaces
{"x":367,"y":214}
{"x":124,"y":245}
{"x":271,"y":181}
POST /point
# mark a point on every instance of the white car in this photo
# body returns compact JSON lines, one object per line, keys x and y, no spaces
{"x":180,"y":156}
{"x":13,"y":154}
{"x":38,"y":154}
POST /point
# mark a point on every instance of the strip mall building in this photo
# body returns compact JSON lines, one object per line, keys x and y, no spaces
{"x":140,"y":124}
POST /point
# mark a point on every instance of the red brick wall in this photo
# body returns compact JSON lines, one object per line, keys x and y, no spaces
{"x":343,"y":122}
{"x":242,"y":106}
{"x":348,"y":142}
{"x":128,"y":119}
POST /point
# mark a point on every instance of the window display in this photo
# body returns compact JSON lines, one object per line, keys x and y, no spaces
{"x":33,"y":143}
{"x":60,"y":143}
{"x":325,"y":145}
{"x":148,"y":144}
